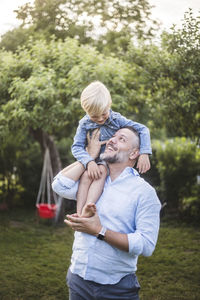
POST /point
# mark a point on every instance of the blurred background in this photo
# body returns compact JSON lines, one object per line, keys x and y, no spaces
{"x":54,"y":48}
{"x":148,"y":55}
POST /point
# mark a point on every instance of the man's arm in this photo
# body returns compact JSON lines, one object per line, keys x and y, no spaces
{"x":65,"y":187}
{"x":141,"y":241}
{"x":147,"y":221}
{"x":93,"y":226}
{"x":65,"y":183}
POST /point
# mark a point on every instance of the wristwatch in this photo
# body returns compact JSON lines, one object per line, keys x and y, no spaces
{"x":102,"y":233}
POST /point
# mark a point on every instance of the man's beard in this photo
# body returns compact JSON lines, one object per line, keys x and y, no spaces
{"x":117,"y":158}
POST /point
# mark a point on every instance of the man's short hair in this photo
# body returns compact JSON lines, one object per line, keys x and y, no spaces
{"x":136,"y":141}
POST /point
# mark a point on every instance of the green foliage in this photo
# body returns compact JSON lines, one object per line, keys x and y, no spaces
{"x":170,"y":78}
{"x":42,"y":84}
{"x":21,"y":165}
{"x":64,"y":148}
{"x":14,"y":38}
{"x":181,"y":93}
{"x":190,"y":205}
{"x":40,"y":90}
{"x":92,"y":22}
{"x":178,"y":164}
{"x":10,"y":187}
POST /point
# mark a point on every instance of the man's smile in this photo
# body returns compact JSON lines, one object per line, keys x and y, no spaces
{"x":111,"y":147}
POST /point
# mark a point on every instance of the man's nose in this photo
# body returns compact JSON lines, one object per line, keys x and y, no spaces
{"x":113,"y":140}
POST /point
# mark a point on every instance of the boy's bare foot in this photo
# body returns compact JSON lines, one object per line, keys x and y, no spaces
{"x":88,"y":210}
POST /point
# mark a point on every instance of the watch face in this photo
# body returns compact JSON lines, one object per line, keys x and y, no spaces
{"x":100,"y":236}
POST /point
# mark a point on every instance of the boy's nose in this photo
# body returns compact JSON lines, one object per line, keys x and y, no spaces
{"x":100,"y":119}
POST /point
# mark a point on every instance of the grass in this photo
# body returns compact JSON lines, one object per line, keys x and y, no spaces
{"x":173,"y":271}
{"x":34,"y":258}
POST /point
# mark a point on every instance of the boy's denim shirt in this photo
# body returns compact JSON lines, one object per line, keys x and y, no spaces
{"x":115,"y":122}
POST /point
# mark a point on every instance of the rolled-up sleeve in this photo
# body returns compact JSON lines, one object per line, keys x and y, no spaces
{"x":143,"y":240}
{"x":65,"y":187}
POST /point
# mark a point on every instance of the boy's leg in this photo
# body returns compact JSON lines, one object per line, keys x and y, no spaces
{"x":94,"y":192}
{"x":82,"y":193}
{"x":73,"y":171}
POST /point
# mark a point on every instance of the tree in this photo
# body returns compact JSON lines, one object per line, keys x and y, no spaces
{"x":40,"y":88}
{"x":96,"y":22}
{"x":13,"y":38}
{"x":170,"y":78}
{"x":183,"y":94}
{"x":19,"y":158}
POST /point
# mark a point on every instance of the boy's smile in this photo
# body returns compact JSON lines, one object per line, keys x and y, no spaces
{"x":101,"y":118}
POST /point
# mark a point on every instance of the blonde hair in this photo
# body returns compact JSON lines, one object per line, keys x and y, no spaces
{"x":95,"y":98}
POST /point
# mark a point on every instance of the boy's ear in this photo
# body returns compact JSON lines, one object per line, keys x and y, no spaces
{"x":134,"y":154}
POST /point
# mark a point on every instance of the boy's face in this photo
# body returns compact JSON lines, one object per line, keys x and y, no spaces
{"x":101,"y":118}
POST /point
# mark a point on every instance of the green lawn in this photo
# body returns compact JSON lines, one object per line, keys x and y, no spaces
{"x":34,"y":258}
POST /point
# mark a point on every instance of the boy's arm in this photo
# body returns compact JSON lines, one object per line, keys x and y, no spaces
{"x":143,"y":131}
{"x":143,"y":163}
{"x":79,"y":144}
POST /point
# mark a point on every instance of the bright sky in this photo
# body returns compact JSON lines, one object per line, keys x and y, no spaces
{"x":166,"y":11}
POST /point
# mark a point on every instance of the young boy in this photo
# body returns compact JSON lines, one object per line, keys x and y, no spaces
{"x":96,"y":102}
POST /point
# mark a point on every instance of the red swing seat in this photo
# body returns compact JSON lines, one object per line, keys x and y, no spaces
{"x":46,"y":211}
{"x":47,"y":201}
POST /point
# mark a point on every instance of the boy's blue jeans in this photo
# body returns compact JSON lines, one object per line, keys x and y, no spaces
{"x":79,"y":289}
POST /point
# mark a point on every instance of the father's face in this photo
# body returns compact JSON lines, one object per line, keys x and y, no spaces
{"x":120,"y":147}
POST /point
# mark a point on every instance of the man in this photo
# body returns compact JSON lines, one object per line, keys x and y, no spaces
{"x":126,"y":224}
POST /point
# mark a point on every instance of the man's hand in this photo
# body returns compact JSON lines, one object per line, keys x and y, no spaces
{"x":94,"y":145}
{"x":143,"y":164}
{"x":94,"y":171}
{"x":90,"y":225}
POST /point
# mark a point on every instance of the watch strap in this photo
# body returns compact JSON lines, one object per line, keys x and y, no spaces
{"x":102,"y":233}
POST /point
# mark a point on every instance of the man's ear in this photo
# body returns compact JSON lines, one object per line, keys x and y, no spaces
{"x":134,"y":154}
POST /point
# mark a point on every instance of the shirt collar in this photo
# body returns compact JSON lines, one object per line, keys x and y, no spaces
{"x":110,"y":118}
{"x":127,"y":171}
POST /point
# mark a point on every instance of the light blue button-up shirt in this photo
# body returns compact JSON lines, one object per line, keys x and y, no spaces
{"x":107,"y":130}
{"x":127,"y":205}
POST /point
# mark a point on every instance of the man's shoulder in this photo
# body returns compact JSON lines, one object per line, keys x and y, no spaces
{"x":146,"y":191}
{"x":142,"y":183}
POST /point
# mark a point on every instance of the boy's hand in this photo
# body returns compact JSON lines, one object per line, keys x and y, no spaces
{"x":143,"y":164}
{"x":94,"y":144}
{"x":93,"y":170}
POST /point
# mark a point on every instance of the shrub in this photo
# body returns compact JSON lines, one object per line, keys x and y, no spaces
{"x":177,"y":163}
